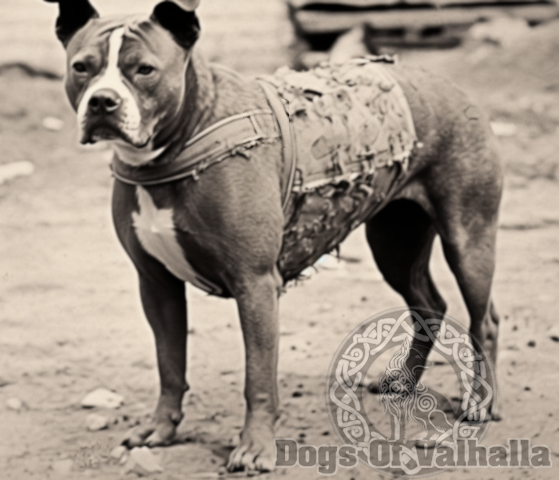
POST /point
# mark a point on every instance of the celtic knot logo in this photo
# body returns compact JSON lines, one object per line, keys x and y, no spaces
{"x":407,"y":401}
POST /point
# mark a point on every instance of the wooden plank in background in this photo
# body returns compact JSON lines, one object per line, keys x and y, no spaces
{"x":320,"y":22}
{"x":365,"y":4}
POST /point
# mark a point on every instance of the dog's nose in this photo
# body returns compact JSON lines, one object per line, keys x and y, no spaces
{"x":104,"y":101}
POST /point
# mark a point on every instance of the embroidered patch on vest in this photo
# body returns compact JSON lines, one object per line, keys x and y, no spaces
{"x":348,"y":119}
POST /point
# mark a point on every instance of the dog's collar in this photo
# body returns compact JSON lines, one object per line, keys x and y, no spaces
{"x":229,"y":137}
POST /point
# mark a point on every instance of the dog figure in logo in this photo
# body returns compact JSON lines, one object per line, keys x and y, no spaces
{"x":405,"y":399}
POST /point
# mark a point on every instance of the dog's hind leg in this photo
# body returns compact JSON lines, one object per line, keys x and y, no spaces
{"x":465,"y":208}
{"x":401,"y":238}
{"x":470,"y":253}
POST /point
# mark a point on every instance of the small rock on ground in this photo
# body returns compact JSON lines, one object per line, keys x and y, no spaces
{"x":142,"y":462}
{"x":14,"y":404}
{"x":102,"y":398}
{"x":53,"y":124}
{"x":118,"y":452}
{"x":96,"y":422}
{"x":9,"y":171}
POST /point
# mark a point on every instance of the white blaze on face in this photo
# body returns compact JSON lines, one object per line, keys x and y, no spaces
{"x":111,"y":78}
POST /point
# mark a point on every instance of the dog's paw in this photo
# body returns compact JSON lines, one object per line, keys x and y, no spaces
{"x":255,"y":452}
{"x":152,"y":435}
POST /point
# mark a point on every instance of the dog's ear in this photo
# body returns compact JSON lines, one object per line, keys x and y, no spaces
{"x":188,"y":5}
{"x":182,"y":22}
{"x":74,"y":14}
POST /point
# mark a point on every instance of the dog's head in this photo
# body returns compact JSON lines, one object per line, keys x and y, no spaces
{"x":126,"y":75}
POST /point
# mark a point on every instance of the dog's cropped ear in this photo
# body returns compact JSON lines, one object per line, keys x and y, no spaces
{"x":74,"y":14}
{"x":182,"y":22}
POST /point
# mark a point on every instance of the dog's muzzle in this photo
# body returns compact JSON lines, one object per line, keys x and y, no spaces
{"x":104,"y":117}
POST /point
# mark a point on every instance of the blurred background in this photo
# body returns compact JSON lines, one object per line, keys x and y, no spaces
{"x":70,"y":320}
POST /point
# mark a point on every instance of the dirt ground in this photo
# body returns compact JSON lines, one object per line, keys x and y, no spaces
{"x":70,"y":319}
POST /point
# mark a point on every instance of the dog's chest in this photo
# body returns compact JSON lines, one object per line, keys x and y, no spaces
{"x":156,"y":231}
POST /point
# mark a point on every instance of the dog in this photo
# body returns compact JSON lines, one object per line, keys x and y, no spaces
{"x":228,"y":217}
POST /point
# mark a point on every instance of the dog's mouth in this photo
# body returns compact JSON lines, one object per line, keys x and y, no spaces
{"x":104,"y":131}
{"x":100,"y":131}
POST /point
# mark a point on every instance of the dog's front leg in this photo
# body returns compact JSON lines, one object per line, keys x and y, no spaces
{"x":257,"y":302}
{"x":164,"y":302}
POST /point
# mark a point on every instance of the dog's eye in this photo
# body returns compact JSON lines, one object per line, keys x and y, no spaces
{"x":145,"y":69}
{"x":79,"y":67}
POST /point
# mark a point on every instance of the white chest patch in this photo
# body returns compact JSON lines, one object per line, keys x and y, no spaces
{"x":156,"y":231}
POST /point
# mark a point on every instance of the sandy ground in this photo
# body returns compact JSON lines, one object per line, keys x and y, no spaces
{"x":70,"y":319}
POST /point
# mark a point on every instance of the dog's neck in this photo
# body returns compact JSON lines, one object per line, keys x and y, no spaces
{"x":197,"y":106}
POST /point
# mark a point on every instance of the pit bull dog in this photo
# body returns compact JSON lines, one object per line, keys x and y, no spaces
{"x":214,"y":187}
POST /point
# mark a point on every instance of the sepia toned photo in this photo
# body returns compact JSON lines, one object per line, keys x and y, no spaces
{"x":279,"y":238}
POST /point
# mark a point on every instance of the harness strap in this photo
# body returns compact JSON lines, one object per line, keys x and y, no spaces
{"x":288,"y":143}
{"x":226,"y":138}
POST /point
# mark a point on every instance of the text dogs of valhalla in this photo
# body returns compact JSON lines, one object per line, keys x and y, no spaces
{"x":236,"y":185}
